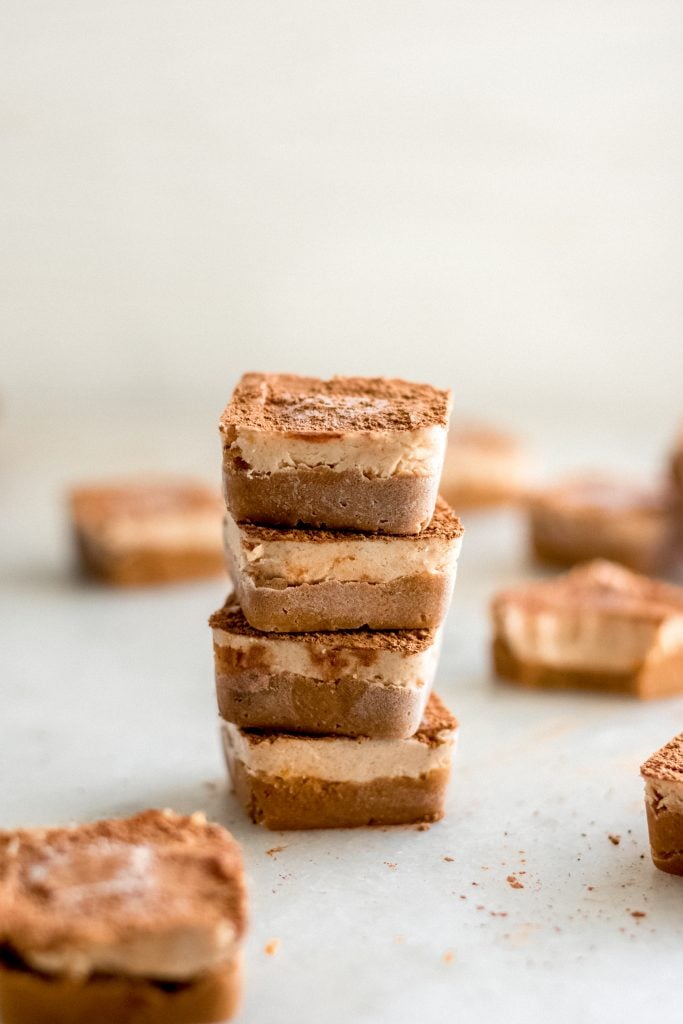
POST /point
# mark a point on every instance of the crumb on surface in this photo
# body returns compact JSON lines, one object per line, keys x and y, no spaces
{"x":637,"y":913}
{"x":514,"y":882}
{"x":449,"y":956}
{"x":449,"y":860}
{"x":615,"y":840}
{"x":392,"y":865}
{"x":275,"y":850}
{"x":272,"y":947}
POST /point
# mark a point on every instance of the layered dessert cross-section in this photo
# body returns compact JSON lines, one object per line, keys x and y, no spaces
{"x":354,"y":682}
{"x":351,"y":453}
{"x":133,"y":533}
{"x":290,"y":781}
{"x":134,"y":920}
{"x":663,"y":775}
{"x":598,"y":627}
{"x":599,"y":516}
{"x":483,"y":467}
{"x":304,"y":580}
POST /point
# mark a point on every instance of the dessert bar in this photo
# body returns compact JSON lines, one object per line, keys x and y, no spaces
{"x":663,"y":775}
{"x":347,"y":453}
{"x":152,"y":532}
{"x":303,"y":580}
{"x":483,"y":467}
{"x":134,"y":920}
{"x":355,"y":682}
{"x":598,"y":627}
{"x":290,"y":781}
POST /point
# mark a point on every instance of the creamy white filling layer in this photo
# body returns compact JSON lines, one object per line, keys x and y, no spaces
{"x":584,"y":639}
{"x":665,"y":795}
{"x":375,"y":453}
{"x":174,"y":956}
{"x":198,"y":531}
{"x":339,"y":758}
{"x":390,"y":668}
{"x":375,"y":560}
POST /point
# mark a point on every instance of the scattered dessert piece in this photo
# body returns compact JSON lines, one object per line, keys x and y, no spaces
{"x":663,"y":774}
{"x":288,"y":781}
{"x":483,"y":467}
{"x":357,"y":453}
{"x":354,"y":682}
{"x":598,"y":516}
{"x":124,"y":921}
{"x":302,"y":580}
{"x":156,"y":532}
{"x":598,"y":627}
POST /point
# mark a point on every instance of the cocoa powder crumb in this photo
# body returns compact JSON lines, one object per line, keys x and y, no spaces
{"x":514,"y":882}
{"x":615,"y":840}
{"x":272,"y":947}
{"x":449,"y":956}
{"x":637,"y":913}
{"x":274,"y":850}
{"x":449,"y":860}
{"x":391,"y":865}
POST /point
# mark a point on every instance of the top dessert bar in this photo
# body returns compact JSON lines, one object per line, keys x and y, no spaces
{"x":350,"y":453}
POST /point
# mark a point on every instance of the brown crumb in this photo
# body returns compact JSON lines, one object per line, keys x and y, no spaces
{"x":514,"y":882}
{"x":423,"y":827}
{"x":391,"y":865}
{"x":590,"y":888}
{"x":449,"y":956}
{"x":275,"y":850}
{"x":637,"y":913}
{"x":615,"y":840}
{"x":271,"y":947}
{"x":449,"y":860}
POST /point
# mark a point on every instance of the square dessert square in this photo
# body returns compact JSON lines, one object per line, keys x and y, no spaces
{"x":663,"y":775}
{"x":599,"y":516}
{"x":598,"y":627}
{"x":356,"y":453}
{"x":132,"y":533}
{"x":483,"y":467}
{"x":354,"y":682}
{"x":292,"y":781}
{"x":297,"y":580}
{"x":136,"y":920}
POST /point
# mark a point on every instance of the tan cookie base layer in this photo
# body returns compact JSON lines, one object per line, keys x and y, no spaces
{"x":300,"y":803}
{"x":287,"y":702}
{"x":580,"y":546}
{"x":31,"y":998}
{"x":666,"y":840}
{"x":142,"y":568}
{"x":324,"y":498}
{"x":409,"y":602}
{"x":660,"y":679}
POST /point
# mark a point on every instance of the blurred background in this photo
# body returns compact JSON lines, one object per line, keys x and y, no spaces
{"x":484,"y":195}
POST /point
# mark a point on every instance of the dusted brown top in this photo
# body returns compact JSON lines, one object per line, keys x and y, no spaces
{"x":306,"y":405}
{"x":96,"y":503}
{"x":117,"y":880}
{"x":601,"y":494}
{"x":667,"y":763}
{"x":436,"y":720}
{"x":599,"y":586}
{"x":407,"y":641}
{"x":444,"y":524}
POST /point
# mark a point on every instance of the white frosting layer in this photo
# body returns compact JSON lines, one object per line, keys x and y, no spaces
{"x":173,"y":956}
{"x":390,"y":668}
{"x":198,"y":531}
{"x":375,"y":453}
{"x":376,"y":560}
{"x":584,"y":639}
{"x":665,"y":795}
{"x":338,"y":759}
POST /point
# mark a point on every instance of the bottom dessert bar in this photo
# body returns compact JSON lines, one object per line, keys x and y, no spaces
{"x":28,"y":997}
{"x":125,"y":921}
{"x":290,"y":781}
{"x":663,"y":775}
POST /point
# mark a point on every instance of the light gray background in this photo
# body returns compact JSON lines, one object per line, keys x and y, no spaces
{"x":485,"y":193}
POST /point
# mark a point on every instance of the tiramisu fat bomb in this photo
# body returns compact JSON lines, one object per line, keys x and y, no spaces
{"x":129,"y":921}
{"x":290,"y":781}
{"x":597,"y":627}
{"x":133,"y":533}
{"x":663,"y":775}
{"x":483,"y":467}
{"x":349,"y":453}
{"x":356,"y":682}
{"x":302,"y":580}
{"x":598,"y":516}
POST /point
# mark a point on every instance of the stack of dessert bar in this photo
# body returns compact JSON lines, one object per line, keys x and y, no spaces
{"x":343,"y":560}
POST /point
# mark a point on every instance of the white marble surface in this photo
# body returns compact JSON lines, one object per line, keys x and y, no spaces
{"x":107,"y":707}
